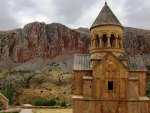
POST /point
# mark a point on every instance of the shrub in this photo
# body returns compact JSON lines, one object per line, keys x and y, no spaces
{"x":18,"y":103}
{"x":1,"y":105}
{"x":63,"y":104}
{"x":58,"y":103}
{"x":11,"y":112}
{"x":39,"y":102}
{"x":8,"y":93}
{"x":52,"y":102}
{"x":44,"y":102}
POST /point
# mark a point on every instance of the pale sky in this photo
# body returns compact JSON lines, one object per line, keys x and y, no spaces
{"x":72,"y":13}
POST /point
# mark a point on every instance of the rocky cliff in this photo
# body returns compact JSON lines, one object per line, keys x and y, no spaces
{"x":41,"y":40}
{"x":136,"y":41}
{"x":51,"y":40}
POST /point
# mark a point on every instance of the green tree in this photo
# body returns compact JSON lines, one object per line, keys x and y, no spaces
{"x":8,"y":93}
{"x":1,"y":105}
{"x":44,"y":102}
{"x":63,"y":104}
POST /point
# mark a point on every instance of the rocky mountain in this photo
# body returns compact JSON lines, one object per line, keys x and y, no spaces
{"x":41,"y":40}
{"x":136,"y":41}
{"x":50,"y":40}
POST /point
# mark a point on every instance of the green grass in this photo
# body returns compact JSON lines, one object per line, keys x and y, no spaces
{"x":52,"y":111}
{"x":11,"y":112}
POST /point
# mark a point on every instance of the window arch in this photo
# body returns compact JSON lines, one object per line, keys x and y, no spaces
{"x":112,"y":40}
{"x":104,"y":40}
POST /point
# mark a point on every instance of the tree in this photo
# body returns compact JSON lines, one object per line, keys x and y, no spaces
{"x":8,"y":93}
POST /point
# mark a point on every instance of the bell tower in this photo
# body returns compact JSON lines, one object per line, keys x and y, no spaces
{"x":106,"y":34}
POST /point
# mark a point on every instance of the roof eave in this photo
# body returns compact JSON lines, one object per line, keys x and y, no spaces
{"x":106,"y":25}
{"x":137,"y":70}
{"x":82,"y":70}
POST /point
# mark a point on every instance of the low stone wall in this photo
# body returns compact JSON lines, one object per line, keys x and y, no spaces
{"x":41,"y":107}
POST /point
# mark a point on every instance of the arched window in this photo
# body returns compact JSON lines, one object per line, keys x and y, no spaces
{"x":97,"y":41}
{"x":104,"y":40}
{"x":112,"y":40}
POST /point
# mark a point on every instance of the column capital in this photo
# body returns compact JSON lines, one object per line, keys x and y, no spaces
{"x":108,"y":35}
{"x":100,"y":35}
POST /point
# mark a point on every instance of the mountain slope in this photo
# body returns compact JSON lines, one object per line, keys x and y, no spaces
{"x":50,"y":40}
{"x":41,"y":40}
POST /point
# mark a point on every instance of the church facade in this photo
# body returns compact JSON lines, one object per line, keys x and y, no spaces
{"x":107,"y":81}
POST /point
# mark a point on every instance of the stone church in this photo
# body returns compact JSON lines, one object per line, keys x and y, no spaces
{"x":107,"y":81}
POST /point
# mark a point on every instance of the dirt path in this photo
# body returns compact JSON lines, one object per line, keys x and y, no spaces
{"x":26,"y":111}
{"x":11,"y":110}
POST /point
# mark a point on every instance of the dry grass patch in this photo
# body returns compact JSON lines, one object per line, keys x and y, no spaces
{"x":52,"y":111}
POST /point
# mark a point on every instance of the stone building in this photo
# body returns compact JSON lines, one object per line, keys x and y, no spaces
{"x":107,"y":81}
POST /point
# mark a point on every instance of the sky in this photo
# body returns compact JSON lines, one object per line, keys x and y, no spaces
{"x":72,"y":13}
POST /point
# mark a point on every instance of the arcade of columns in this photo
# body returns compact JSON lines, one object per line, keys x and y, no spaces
{"x":106,"y":40}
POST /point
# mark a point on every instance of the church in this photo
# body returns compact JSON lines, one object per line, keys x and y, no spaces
{"x":106,"y":80}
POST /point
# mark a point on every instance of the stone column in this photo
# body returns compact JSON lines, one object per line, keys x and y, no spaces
{"x":116,"y":42}
{"x":94,"y":44}
{"x":108,"y":42}
{"x":121,"y":43}
{"x":100,"y":42}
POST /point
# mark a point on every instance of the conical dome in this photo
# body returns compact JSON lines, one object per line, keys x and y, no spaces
{"x":106,"y":16}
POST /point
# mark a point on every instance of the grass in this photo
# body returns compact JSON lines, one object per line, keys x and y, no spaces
{"x":52,"y":110}
{"x":10,"y":112}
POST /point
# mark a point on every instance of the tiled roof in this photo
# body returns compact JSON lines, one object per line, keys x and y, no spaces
{"x":82,"y":62}
{"x":133,"y":78}
{"x":96,"y":58}
{"x":106,"y":16}
{"x":136,"y":63}
{"x":122,"y":58}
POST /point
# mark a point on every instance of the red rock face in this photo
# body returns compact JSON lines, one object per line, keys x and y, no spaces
{"x":136,"y":41}
{"x":50,"y":40}
{"x":41,"y":40}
